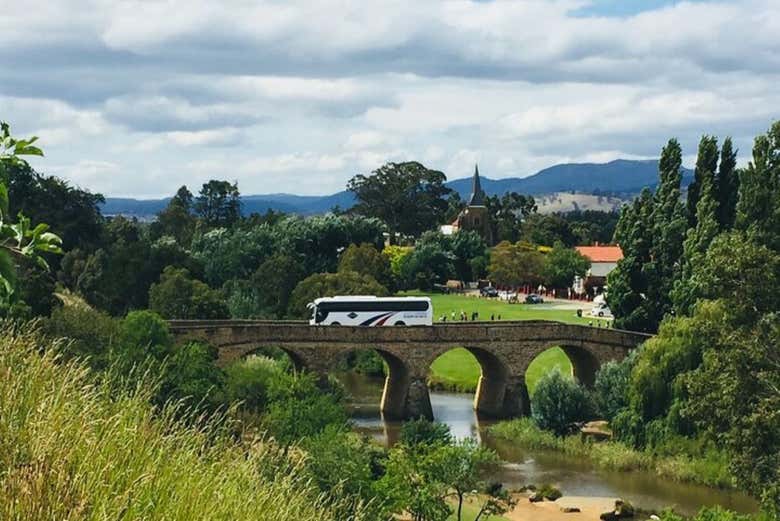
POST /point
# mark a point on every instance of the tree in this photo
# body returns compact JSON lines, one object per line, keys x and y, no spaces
{"x":178,"y":296}
{"x":695,"y":246}
{"x":429,"y":263}
{"x":515,"y":264}
{"x":611,"y":386}
{"x":318,"y":241}
{"x":669,"y":227}
{"x":177,"y":220}
{"x":468,"y":246}
{"x":367,"y":260}
{"x":562,"y":265}
{"x":758,"y":208}
{"x":706,"y":166}
{"x":346,"y":463}
{"x":266,"y":293}
{"x":559,"y":402}
{"x":507,"y":213}
{"x":219,"y":204}
{"x":299,"y":409}
{"x":396,"y":256}
{"x":329,"y":285}
{"x":546,"y":230}
{"x":117,"y":276}
{"x":742,"y":273}
{"x":74,"y":214}
{"x":233,"y":254}
{"x":20,"y":241}
{"x":727,"y":186}
{"x":465,"y":467}
{"x":409,"y":197}
{"x":735,"y":399}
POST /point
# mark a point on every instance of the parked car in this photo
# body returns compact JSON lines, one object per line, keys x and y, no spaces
{"x":601,"y":309}
{"x":488,"y":291}
{"x":533,"y":298}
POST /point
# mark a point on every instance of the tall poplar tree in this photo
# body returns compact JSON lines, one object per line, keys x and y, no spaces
{"x":627,"y":282}
{"x":706,"y":166}
{"x":758,"y":208}
{"x":669,"y":227}
{"x":727,"y":186}
{"x":695,"y":247}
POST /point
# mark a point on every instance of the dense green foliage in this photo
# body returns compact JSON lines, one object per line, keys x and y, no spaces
{"x":329,"y":285}
{"x":367,"y":260}
{"x":559,"y":403}
{"x":408,"y":197}
{"x":709,"y":380}
{"x":177,"y":295}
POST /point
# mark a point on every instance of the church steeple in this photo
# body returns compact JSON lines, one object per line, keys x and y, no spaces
{"x":477,"y":195}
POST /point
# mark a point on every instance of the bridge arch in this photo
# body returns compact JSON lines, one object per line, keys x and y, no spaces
{"x":496,"y":390}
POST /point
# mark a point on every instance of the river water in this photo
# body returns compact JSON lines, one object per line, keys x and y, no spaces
{"x":522,"y":467}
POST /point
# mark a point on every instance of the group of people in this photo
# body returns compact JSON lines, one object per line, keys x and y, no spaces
{"x":463,"y":317}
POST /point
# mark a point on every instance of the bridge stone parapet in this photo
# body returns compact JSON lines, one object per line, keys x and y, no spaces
{"x":503,"y":349}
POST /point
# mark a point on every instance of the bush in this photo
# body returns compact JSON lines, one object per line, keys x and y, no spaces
{"x":247,"y":381}
{"x":422,"y":433}
{"x":298,"y":408}
{"x":90,"y":333}
{"x":558,"y":402}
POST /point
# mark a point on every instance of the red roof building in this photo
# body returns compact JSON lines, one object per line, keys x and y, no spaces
{"x":611,"y":253}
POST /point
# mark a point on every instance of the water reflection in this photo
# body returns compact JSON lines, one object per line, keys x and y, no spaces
{"x":572,"y":476}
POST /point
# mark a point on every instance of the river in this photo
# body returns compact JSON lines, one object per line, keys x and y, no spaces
{"x":522,"y":467}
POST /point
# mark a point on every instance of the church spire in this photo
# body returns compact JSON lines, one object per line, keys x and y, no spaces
{"x":477,"y":195}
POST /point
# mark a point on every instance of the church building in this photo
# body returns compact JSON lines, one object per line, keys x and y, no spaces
{"x":475,"y":216}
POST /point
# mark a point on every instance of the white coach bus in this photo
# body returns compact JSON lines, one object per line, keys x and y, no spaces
{"x":371,"y":311}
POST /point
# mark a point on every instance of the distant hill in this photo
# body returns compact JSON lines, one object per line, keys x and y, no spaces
{"x":621,"y":176}
{"x":621,"y":179}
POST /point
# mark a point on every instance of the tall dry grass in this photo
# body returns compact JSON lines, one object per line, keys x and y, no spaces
{"x":70,"y":449}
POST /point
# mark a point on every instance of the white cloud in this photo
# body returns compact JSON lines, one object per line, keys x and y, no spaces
{"x":138,"y":97}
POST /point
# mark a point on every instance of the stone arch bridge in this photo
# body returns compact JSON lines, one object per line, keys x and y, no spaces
{"x":503,"y":349}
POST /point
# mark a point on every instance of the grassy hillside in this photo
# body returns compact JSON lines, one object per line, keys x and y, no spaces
{"x":71,"y":449}
{"x":459,"y":370}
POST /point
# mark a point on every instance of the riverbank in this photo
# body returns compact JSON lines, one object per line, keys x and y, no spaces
{"x":588,"y":509}
{"x":710,"y":470}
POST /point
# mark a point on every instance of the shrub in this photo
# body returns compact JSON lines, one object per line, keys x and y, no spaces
{"x":247,"y":381}
{"x":424,"y":433}
{"x":90,"y":333}
{"x":559,"y":402}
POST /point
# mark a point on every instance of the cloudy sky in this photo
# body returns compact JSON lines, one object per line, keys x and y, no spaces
{"x":137,"y":97}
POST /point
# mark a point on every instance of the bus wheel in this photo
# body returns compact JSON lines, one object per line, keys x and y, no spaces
{"x":601,"y":313}
{"x":400,"y":324}
{"x":335,"y":324}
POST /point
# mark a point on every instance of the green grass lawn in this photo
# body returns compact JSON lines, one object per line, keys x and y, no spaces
{"x":459,"y":370}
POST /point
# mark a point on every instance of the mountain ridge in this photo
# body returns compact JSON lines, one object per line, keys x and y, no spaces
{"x":620,"y":177}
